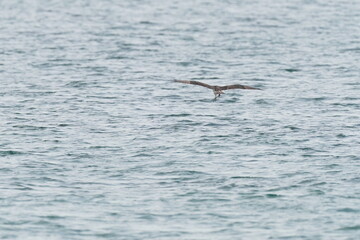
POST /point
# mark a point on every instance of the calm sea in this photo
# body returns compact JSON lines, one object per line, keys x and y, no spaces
{"x":98,"y":142}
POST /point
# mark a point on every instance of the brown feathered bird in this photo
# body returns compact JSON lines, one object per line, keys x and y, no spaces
{"x":218,"y":90}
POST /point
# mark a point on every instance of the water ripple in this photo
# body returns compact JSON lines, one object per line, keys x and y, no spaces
{"x":98,"y":142}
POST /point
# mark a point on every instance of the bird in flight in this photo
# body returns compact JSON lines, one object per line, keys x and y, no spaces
{"x":218,"y":90}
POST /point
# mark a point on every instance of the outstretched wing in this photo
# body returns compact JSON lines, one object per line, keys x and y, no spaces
{"x":238,"y":86}
{"x":195,"y":83}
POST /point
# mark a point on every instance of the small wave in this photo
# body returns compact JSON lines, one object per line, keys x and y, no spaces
{"x":76,"y":84}
{"x":272,"y":195}
{"x":348,"y":210}
{"x":10,"y":153}
{"x":356,"y":49}
{"x":247,"y":177}
{"x":29,"y":127}
{"x":179,"y":115}
{"x":292,"y":70}
{"x":350,"y":228}
{"x":183,"y":172}
{"x":314,"y":99}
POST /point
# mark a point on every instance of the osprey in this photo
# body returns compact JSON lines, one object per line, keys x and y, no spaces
{"x":218,"y":90}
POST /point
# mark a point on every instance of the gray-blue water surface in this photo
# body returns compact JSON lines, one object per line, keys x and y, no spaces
{"x":97,"y":142}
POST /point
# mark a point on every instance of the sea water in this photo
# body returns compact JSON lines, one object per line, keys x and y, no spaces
{"x":98,"y":142}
